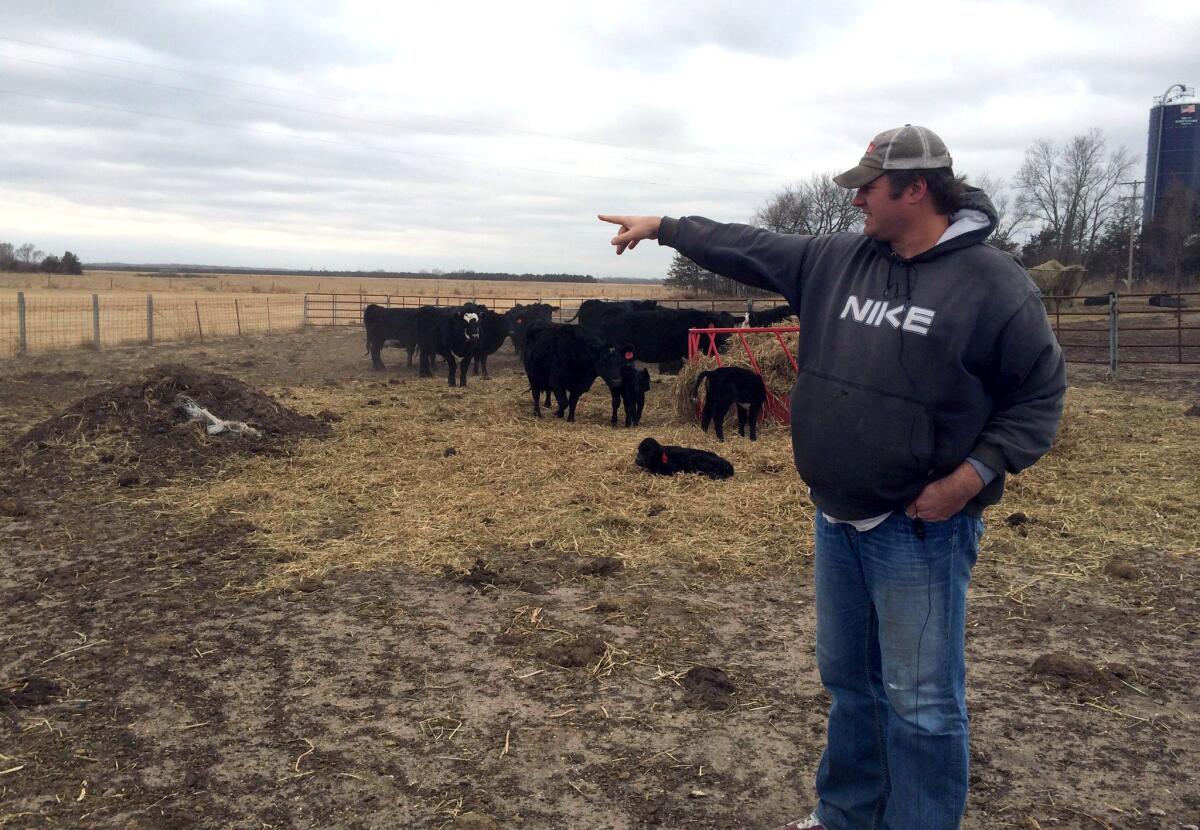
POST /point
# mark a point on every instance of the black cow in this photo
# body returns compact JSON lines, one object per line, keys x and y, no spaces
{"x":494,"y":329}
{"x":770,"y":317}
{"x":731,"y":386}
{"x":1101,"y":299}
{"x":398,"y":325}
{"x":669,"y":460}
{"x":1168,"y":301}
{"x":521,"y":317}
{"x":659,"y":335}
{"x":631,"y":391}
{"x":591,"y":310}
{"x":450,"y":332}
{"x":566,"y":360}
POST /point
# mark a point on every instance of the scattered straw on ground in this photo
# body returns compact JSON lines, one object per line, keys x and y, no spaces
{"x":386,"y":489}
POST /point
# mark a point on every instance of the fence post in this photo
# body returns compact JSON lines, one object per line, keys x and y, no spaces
{"x":199,"y":328}
{"x":1113,"y":328}
{"x":237,"y":313}
{"x":269,"y":314}
{"x":96,"y":319}
{"x":1179,"y":326}
{"x":304,"y":327}
{"x":150,"y":319}
{"x":23,"y":344}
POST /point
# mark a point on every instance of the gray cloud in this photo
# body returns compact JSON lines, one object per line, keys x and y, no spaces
{"x":449,"y":180}
{"x":278,"y":34}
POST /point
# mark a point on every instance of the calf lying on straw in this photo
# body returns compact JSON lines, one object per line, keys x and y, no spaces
{"x":669,"y":460}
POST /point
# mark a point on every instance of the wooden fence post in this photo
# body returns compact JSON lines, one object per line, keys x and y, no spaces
{"x":96,"y":320}
{"x":237,"y":313}
{"x":199,"y":328}
{"x":304,"y":325}
{"x":23,"y":344}
{"x":269,"y":312}
{"x":150,"y":319}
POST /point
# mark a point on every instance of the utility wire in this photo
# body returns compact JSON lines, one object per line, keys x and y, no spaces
{"x":760,"y":169}
{"x":375,"y":149}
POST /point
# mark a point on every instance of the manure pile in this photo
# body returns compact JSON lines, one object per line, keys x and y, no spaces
{"x":137,"y":434}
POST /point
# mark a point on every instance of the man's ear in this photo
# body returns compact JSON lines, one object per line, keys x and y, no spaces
{"x":916,"y":191}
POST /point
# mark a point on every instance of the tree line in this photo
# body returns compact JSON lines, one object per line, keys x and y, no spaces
{"x":27,"y":258}
{"x":427,"y":274}
{"x":1072,"y":202}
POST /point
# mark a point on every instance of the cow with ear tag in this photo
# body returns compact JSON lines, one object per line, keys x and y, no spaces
{"x":522,"y":318}
{"x":452,"y":333}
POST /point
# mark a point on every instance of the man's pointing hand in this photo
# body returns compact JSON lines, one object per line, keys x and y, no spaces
{"x":633,"y":230}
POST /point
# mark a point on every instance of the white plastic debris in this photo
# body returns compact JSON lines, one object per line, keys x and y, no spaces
{"x":215,"y":425}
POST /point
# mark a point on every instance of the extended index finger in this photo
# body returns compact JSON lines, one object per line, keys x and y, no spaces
{"x":616,"y":220}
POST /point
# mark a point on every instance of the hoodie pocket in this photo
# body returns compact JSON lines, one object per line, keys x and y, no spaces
{"x":859,"y":445}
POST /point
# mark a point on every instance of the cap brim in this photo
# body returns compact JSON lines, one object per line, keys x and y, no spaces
{"x":857,"y":177}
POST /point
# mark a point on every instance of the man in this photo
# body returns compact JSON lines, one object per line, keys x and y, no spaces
{"x":928,"y":370}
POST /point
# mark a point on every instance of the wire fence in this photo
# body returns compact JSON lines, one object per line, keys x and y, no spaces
{"x":38,"y":323}
{"x":1119,"y":329}
{"x":1110,"y":329}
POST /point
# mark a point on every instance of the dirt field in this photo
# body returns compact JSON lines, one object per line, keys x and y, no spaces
{"x":313,"y":628}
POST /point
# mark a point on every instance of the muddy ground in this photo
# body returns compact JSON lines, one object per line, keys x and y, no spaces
{"x":141,"y":686}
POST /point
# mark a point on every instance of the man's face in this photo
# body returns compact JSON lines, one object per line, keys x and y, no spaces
{"x":884,"y":218}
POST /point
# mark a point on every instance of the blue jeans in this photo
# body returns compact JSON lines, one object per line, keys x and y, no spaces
{"x":891,"y":610}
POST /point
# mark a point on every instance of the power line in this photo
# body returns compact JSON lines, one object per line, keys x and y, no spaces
{"x":374,"y":149}
{"x":760,"y":169}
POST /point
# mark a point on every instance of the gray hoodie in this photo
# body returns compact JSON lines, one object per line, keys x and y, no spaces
{"x":907,"y":366}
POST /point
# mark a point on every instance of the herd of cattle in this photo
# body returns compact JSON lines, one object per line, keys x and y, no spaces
{"x":564,"y":359}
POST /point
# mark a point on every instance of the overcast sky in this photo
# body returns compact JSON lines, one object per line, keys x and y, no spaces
{"x":487,"y":136}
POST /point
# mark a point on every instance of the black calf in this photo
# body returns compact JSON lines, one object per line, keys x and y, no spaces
{"x":631,"y":391}
{"x":669,"y":460}
{"x":726,"y":387}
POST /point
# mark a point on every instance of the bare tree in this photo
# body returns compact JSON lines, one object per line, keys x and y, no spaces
{"x":8,"y":256}
{"x":689,"y":276}
{"x":28,"y":255}
{"x":1072,"y":190}
{"x":815,"y":206}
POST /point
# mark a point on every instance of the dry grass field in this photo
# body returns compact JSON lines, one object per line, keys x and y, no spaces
{"x":59,"y":309}
{"x":256,"y":284}
{"x":409,"y":605}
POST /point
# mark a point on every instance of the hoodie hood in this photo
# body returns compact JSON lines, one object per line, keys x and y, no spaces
{"x":973,"y":222}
